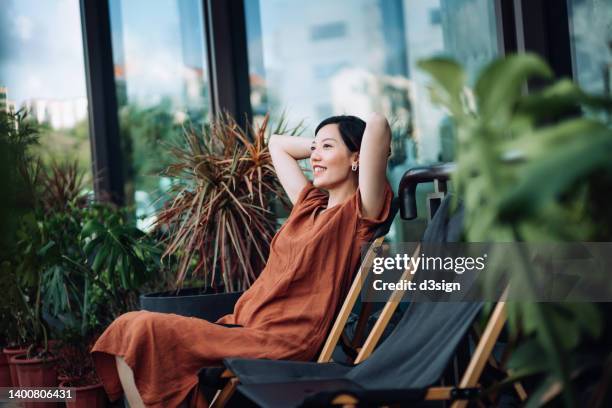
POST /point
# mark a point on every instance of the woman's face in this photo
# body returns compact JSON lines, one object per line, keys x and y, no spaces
{"x":330,"y":159}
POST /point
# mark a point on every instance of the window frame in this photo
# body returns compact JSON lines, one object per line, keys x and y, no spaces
{"x":522,"y":25}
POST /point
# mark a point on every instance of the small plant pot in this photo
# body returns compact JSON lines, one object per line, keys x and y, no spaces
{"x":88,"y":396}
{"x":36,"y":372}
{"x":191,"y":302}
{"x":53,"y":345}
{"x":10,"y":352}
{"x":65,"y":378}
{"x":5,"y":372}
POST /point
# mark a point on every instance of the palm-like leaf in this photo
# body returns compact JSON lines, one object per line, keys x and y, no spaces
{"x":218,"y":218}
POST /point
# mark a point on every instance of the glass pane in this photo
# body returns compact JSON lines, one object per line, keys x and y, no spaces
{"x":42,"y":70}
{"x":319,"y":58}
{"x":161,"y":79}
{"x":591,"y":38}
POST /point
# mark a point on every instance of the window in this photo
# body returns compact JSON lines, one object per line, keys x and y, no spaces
{"x":368,"y":70}
{"x":369,"y":66}
{"x":327,"y":31}
{"x":591,"y":40}
{"x":42,"y":71}
{"x":325,"y":71}
{"x":161,"y":80}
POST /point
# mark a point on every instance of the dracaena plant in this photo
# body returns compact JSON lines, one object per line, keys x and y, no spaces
{"x":218,"y":220}
{"x":62,"y":185}
{"x":533,"y":167}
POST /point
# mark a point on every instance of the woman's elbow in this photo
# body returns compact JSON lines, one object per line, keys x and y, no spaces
{"x":380,"y":131}
{"x":377,"y":120}
{"x":273,"y":141}
{"x":275,"y":144}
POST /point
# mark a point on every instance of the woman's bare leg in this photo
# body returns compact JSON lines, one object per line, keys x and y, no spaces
{"x":129,"y":386}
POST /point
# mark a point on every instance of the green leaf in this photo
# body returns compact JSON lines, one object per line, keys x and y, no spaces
{"x":547,"y":387}
{"x":92,"y":244}
{"x":543,"y":180}
{"x":100,"y":258}
{"x":564,"y":324}
{"x":544,"y":141}
{"x":499,"y":85}
{"x":123,"y":270}
{"x":587,"y":316}
{"x":561,"y":97}
{"x":45,"y":249}
{"x":451,"y":78}
{"x":529,"y":317}
{"x":528,"y":359}
{"x":91,"y":227}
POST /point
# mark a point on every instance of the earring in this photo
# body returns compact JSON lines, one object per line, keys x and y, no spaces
{"x":354,"y":167}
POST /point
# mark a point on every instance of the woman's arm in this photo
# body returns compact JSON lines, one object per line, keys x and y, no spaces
{"x":285,"y":152}
{"x":373,"y":157}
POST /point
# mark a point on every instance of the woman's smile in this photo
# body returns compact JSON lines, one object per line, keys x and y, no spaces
{"x":318,"y":170}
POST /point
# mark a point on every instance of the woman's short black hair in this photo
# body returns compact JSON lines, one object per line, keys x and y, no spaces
{"x":351,"y":129}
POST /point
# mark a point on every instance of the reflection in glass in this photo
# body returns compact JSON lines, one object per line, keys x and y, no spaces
{"x":591,"y":38}
{"x":318,"y":58}
{"x":310,"y":60}
{"x":160,"y":75}
{"x":42,"y":70}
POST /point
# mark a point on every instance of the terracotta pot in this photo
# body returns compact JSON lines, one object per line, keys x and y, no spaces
{"x":36,"y":372}
{"x":87,"y":396}
{"x":65,"y":378}
{"x":11,"y":352}
{"x":5,"y":372}
{"x":53,"y":345}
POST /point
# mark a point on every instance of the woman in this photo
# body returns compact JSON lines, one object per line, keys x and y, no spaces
{"x":155,"y":358}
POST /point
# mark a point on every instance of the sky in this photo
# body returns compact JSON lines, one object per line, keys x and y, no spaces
{"x":42,"y":52}
{"x":41,"y":48}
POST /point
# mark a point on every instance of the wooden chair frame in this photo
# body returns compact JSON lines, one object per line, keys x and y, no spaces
{"x":469,"y":382}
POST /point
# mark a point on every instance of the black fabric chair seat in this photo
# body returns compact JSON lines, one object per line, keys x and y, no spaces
{"x":270,"y":371}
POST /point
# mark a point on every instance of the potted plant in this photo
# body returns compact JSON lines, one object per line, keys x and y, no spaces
{"x":536,"y":167}
{"x":13,"y":338}
{"x":37,"y":366}
{"x":77,"y":371}
{"x":116,"y":259}
{"x":217,"y":222}
{"x":16,"y":136}
{"x":96,"y":260}
{"x":24,"y":330}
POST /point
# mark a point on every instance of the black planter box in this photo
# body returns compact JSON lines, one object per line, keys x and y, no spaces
{"x":191,"y":302}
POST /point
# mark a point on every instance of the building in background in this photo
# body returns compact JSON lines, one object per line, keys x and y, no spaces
{"x":57,"y":113}
{"x":3,"y":99}
{"x":591,"y":44}
{"x":299,"y":62}
{"x":6,"y":105}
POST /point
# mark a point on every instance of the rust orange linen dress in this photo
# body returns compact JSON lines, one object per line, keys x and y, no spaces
{"x":286,"y":314}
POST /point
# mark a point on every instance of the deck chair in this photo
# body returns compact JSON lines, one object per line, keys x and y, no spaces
{"x":403,"y":369}
{"x":439,"y":174}
{"x":221,"y":378}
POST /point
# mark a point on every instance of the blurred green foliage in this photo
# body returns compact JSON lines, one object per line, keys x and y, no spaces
{"x":18,"y":168}
{"x":146,"y":136}
{"x":533,"y":167}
